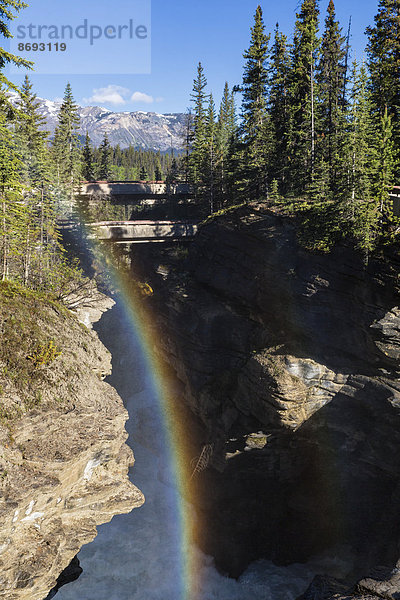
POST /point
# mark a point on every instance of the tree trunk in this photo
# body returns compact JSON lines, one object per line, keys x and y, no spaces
{"x":5,"y":249}
{"x":312,"y":120}
{"x":27,"y":260}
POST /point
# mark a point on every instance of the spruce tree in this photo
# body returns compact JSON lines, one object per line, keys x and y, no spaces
{"x":65,"y":149}
{"x":143,"y":174}
{"x":9,"y":188}
{"x":384,"y":64}
{"x":359,"y":208}
{"x":157,"y":172}
{"x":174,"y":170}
{"x":360,"y":157}
{"x":7,"y":13}
{"x":198,"y":145}
{"x":31,"y":142}
{"x":226,"y":119}
{"x":187,"y":144}
{"x":331,"y":82}
{"x":105,"y":159}
{"x":278,"y":107}
{"x":87,"y":162}
{"x":18,"y":214}
{"x":210,"y":154}
{"x":30,"y":137}
{"x":386,"y":166}
{"x":224,"y":140}
{"x":117,"y":155}
{"x":302,"y":132}
{"x":254,"y":129}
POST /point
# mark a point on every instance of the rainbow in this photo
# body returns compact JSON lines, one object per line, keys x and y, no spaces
{"x":187,"y":572}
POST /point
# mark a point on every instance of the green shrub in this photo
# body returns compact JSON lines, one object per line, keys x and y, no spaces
{"x":44,"y":354}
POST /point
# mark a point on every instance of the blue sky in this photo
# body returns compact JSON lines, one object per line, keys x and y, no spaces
{"x":156,"y":73}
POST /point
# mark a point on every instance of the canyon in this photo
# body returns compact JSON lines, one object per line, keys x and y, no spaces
{"x":290,"y":363}
{"x":285,"y":364}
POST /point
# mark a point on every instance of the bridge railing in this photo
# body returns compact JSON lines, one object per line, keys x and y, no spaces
{"x":137,"y":188}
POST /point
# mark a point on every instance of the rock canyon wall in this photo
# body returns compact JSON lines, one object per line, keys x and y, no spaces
{"x":290,"y":362}
{"x":63,"y":458}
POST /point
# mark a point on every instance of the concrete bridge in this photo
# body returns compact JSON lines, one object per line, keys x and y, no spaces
{"x":140,"y":232}
{"x":134,"y":189}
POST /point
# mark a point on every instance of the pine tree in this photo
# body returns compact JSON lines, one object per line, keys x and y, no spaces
{"x":7,"y":12}
{"x":187,"y":144}
{"x":225,"y":135}
{"x":174,"y":170}
{"x":197,"y":157}
{"x":157,"y":173}
{"x":278,"y":107}
{"x":360,"y":158}
{"x":30,"y":137}
{"x":87,"y":163}
{"x":385,"y":167}
{"x":31,"y":143}
{"x":20,"y":210}
{"x":226,"y":119}
{"x":302,"y":97}
{"x":66,"y":145}
{"x":331,"y":82}
{"x":105,"y":159}
{"x":254,"y":127}
{"x":210,"y":154}
{"x":143,"y":174}
{"x":117,"y":155}
{"x":359,"y":208}
{"x":12,"y":210}
{"x":274,"y":193}
{"x":384,"y":64}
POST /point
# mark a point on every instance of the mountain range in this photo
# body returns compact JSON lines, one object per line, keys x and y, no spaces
{"x":147,"y":130}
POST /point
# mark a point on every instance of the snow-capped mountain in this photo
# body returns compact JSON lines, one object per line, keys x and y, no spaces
{"x":147,"y":130}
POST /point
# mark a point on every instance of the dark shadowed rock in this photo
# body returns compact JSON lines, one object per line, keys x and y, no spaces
{"x":323,"y":588}
{"x":383,"y":582}
{"x":290,"y":362}
{"x":70,"y":573}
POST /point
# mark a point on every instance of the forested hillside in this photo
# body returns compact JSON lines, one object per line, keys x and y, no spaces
{"x":317,"y":133}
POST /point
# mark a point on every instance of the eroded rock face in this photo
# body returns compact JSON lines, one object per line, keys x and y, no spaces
{"x":291,"y":362}
{"x":64,"y":465}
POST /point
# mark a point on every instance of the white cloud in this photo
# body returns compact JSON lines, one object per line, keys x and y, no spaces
{"x":112,"y":94}
{"x":159,"y":99}
{"x":142,"y":97}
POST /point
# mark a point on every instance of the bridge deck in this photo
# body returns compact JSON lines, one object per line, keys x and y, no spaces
{"x":142,"y":231}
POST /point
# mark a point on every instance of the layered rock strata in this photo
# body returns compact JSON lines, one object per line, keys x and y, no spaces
{"x":63,"y":458}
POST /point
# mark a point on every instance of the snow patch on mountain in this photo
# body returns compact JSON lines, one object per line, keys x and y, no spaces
{"x":147,"y":130}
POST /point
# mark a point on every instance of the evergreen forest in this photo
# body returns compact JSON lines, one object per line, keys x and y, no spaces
{"x":310,"y":131}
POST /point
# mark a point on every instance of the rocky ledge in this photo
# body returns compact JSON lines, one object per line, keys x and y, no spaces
{"x":63,"y":458}
{"x":290,"y":362}
{"x":382,"y":582}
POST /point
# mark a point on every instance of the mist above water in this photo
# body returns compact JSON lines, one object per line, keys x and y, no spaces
{"x":138,"y":556}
